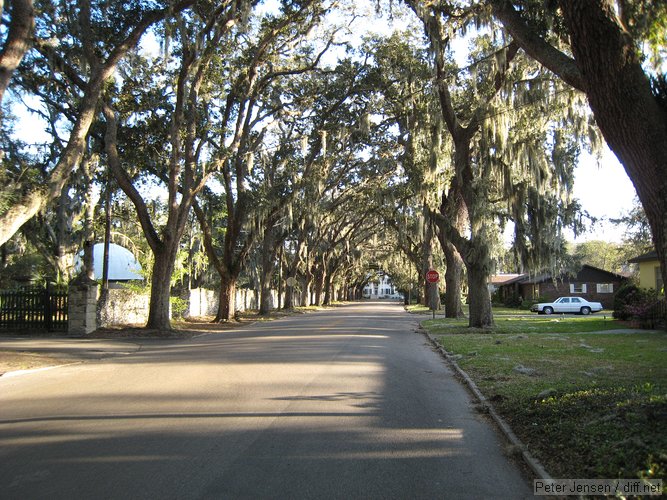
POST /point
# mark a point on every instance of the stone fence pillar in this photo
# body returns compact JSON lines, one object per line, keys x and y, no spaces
{"x":82,"y":306}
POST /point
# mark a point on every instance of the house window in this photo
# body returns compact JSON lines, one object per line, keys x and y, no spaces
{"x":605,"y":287}
{"x":659,"y":285}
{"x":577,"y":287}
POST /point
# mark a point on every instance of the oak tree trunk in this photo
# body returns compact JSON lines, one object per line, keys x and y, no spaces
{"x":265,"y":297}
{"x":22,"y":19}
{"x":158,"y":314}
{"x":319,"y":287}
{"x":227,"y":300}
{"x":481,"y":315}
{"x":328,"y":289}
{"x":453,"y":281}
{"x":289,"y":297}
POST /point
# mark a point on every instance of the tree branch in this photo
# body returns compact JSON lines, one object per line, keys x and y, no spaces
{"x":535,"y":46}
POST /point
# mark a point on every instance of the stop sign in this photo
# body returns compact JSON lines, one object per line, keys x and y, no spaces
{"x":432,"y":276}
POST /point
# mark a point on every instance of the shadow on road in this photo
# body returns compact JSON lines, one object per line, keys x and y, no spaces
{"x":345,"y":403}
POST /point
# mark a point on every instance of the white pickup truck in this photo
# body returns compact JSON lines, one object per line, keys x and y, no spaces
{"x":567,"y":305}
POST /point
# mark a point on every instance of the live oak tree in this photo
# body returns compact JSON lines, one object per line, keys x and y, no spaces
{"x":254,"y":106}
{"x":79,"y":49}
{"x":212,"y":91}
{"x":401,"y":74}
{"x":613,"y":52}
{"x":512,"y":159}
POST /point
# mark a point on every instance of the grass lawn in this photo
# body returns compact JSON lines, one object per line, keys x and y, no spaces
{"x":588,"y":405}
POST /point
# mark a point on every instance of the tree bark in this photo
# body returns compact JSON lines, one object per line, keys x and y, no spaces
{"x":454,"y":274}
{"x":265,"y":298}
{"x":227,"y":300}
{"x":328,"y":289}
{"x":453,"y":281}
{"x":22,"y":20}
{"x":481,"y":315}
{"x":273,"y":237}
{"x":319,"y":286}
{"x":289,"y":298}
{"x":159,"y":310}
{"x":307,"y":283}
{"x":266,"y":275}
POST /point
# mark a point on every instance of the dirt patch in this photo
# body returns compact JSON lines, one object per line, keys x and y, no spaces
{"x":136,"y":332}
{"x":13,"y":361}
{"x":183,"y":329}
{"x":26,"y":359}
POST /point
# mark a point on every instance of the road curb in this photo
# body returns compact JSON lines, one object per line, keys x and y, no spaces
{"x":534,"y":464}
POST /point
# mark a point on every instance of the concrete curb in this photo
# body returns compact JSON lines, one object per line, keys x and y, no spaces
{"x":528,"y":458}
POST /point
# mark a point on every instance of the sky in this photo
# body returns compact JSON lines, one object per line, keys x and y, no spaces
{"x":605,"y":191}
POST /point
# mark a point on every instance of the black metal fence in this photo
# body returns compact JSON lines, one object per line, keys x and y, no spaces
{"x":34,"y":309}
{"x":657,"y":315}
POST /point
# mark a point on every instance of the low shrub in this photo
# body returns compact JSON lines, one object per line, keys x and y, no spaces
{"x":179,"y":307}
{"x":514,"y":301}
{"x":630,"y":302}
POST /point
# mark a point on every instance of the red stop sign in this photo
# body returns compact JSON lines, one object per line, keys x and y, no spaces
{"x":432,"y":276}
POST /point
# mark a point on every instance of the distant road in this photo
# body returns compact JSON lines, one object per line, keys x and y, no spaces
{"x":344,"y":403}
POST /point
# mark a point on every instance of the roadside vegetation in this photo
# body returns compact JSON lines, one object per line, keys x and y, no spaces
{"x":586,"y":404}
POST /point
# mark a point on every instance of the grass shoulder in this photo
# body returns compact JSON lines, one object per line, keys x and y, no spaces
{"x":589,"y":405}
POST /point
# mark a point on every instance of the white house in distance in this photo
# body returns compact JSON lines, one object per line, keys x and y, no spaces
{"x":381,"y":288}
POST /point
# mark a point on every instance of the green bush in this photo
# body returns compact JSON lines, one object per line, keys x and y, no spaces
{"x":179,"y":307}
{"x":513,"y":301}
{"x":629,"y":300}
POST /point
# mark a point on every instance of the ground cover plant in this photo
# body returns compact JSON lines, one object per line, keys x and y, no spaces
{"x":588,"y":405}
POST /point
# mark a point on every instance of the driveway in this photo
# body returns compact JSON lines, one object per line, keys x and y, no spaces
{"x":343,"y":403}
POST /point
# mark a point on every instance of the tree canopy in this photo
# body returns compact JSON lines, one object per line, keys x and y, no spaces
{"x":303,"y":150}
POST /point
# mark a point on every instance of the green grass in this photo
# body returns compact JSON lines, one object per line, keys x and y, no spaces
{"x":520,"y":323}
{"x":587,"y":405}
{"x":417,"y":309}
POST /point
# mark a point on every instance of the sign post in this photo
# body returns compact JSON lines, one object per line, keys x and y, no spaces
{"x":432,"y":276}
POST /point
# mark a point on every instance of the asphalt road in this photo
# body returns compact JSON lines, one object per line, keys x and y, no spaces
{"x":344,"y":403}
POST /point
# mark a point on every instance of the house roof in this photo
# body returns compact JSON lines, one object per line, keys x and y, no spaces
{"x":541,"y":278}
{"x":505,"y":279}
{"x":538,"y":278}
{"x":652,"y":255}
{"x":615,"y":275}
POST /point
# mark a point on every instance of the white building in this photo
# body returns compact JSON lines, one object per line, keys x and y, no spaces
{"x":381,"y":288}
{"x":123,"y":265}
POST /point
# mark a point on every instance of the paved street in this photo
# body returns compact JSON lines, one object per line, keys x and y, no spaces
{"x":344,"y":403}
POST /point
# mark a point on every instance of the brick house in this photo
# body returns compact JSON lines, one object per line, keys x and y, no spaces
{"x":590,"y":282}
